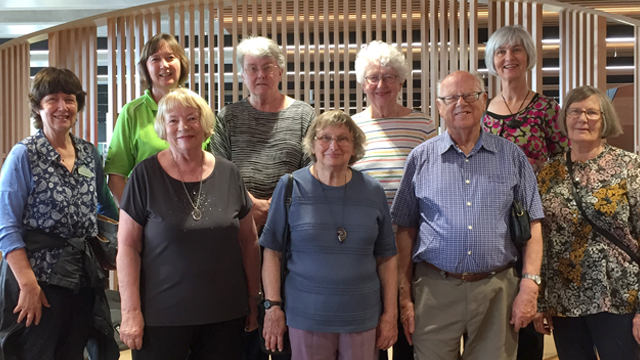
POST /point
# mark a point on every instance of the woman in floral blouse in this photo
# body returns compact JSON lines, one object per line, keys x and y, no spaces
{"x":518,"y":113}
{"x":590,"y":285}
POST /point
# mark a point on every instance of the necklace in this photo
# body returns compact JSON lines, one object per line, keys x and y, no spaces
{"x":196,"y":214}
{"x":513,"y":123}
{"x":341,"y":232}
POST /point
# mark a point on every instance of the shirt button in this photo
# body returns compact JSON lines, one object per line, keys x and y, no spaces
{"x":466,"y":160}
{"x":470,"y":227}
{"x":469,"y":252}
{"x":467,"y":181}
{"x":468,"y":203}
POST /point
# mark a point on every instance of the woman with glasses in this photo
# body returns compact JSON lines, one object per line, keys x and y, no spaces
{"x":392,"y":130}
{"x":262,"y":135}
{"x":590,"y":285}
{"x":341,"y":286}
{"x":518,"y":113}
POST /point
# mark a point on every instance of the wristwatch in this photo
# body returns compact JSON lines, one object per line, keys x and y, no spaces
{"x":536,"y":278}
{"x":269,"y":303}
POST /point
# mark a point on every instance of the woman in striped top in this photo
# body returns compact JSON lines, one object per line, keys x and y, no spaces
{"x":392,"y":131}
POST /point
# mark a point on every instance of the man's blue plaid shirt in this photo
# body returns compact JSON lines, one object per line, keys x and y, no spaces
{"x":460,"y":204}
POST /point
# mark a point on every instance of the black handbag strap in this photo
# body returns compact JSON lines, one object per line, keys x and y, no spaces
{"x":594,"y":226}
{"x":287,"y":234}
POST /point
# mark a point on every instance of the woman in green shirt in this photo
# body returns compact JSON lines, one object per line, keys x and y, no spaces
{"x":163,"y":66}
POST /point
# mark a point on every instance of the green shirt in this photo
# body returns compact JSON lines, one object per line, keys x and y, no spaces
{"x":134,"y":137}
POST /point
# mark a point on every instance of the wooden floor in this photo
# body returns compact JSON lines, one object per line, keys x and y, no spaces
{"x":549,"y":351}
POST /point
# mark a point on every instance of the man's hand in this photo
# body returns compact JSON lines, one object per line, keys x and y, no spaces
{"x":407,"y":317}
{"x":525,"y":304}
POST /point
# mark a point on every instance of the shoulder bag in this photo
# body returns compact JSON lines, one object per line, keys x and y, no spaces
{"x":519,"y":224}
{"x":283,"y":273}
{"x":105,"y":245}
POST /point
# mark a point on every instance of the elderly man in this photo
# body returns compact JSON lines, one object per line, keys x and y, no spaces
{"x":452,"y":212}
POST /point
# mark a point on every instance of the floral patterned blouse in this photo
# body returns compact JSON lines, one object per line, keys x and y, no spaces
{"x":535,"y":131}
{"x":39,"y":193}
{"x":583,"y":272}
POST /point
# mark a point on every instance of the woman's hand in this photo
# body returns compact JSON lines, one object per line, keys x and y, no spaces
{"x":260,"y":210}
{"x":543,"y":323}
{"x":132,"y":329}
{"x":274,"y":328}
{"x":31,"y":298}
{"x":30,"y":303}
{"x":636,"y":327}
{"x":387,"y":331}
{"x":252,"y":319}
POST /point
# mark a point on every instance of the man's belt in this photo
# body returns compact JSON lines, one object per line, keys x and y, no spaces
{"x":470,"y":277}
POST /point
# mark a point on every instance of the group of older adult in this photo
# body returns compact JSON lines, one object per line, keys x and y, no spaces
{"x":392,"y":230}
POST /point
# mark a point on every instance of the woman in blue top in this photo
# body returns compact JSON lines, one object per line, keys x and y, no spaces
{"x":341,"y":289}
{"x":51,"y":188}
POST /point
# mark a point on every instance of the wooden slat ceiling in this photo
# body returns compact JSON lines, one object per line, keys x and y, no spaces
{"x":629,"y":8}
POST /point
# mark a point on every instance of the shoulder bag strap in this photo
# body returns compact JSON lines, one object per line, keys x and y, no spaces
{"x":287,"y":234}
{"x":595,"y":227}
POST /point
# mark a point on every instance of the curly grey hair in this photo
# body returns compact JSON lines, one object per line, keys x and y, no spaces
{"x":389,"y":56}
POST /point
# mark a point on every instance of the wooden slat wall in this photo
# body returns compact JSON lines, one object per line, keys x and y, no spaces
{"x":76,"y":50}
{"x":321,"y":39}
{"x":14,"y":88}
{"x":583,"y":53}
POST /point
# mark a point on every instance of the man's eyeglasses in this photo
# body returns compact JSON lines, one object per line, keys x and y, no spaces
{"x":374,"y":79}
{"x":340,"y":140}
{"x":592,"y":114}
{"x":266,"y":69}
{"x":468,"y":98}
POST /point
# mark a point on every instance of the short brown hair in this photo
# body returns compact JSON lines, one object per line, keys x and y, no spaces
{"x":151,"y":47}
{"x":610,"y":122}
{"x":52,"y":80}
{"x":335,"y":118}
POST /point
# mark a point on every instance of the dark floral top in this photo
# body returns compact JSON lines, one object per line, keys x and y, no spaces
{"x":535,"y":129}
{"x":583,"y":272}
{"x":41,"y":194}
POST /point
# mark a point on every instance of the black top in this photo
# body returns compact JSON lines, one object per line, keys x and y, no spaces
{"x":192,"y":271}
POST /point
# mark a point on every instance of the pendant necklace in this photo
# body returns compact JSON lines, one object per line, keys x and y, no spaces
{"x":196,"y":214}
{"x":513,"y":123}
{"x":341,"y":233}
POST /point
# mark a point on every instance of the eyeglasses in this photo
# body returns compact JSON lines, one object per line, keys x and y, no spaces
{"x":468,"y":98}
{"x":592,"y":114}
{"x":266,"y":69}
{"x":374,"y":79}
{"x":340,"y":140}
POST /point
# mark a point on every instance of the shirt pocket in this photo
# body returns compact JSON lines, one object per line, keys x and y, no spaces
{"x":501,"y":186}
